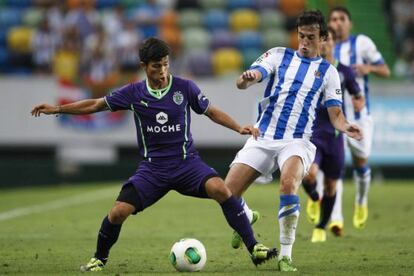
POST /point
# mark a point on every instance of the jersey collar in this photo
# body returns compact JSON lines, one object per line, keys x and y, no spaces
{"x":308,"y":59}
{"x":159,"y":93}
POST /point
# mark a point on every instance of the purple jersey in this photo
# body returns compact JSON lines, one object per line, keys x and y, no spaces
{"x":322,"y":125}
{"x":163,"y":124}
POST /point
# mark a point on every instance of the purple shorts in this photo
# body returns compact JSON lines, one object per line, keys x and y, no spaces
{"x":330,"y":154}
{"x":154,"y":179}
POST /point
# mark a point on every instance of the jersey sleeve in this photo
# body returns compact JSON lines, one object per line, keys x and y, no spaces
{"x":265,"y":64}
{"x":370,"y":51}
{"x":332,"y":92}
{"x":197,"y":100}
{"x":119,"y":99}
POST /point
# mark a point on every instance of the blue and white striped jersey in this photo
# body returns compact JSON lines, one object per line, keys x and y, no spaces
{"x":296,"y":87}
{"x":358,"y":49}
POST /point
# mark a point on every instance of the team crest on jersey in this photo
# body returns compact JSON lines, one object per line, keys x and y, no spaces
{"x":338,"y":91}
{"x":178,"y":97}
{"x":317,"y":74}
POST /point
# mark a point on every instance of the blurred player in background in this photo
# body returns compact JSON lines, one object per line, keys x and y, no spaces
{"x":330,"y":156}
{"x":359,"y":52}
{"x":298,"y":82}
{"x":161,"y":105}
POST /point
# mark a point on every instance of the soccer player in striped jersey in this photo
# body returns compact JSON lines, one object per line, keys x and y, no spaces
{"x":161,"y":105}
{"x":330,"y":155}
{"x":359,"y":52}
{"x":298,"y":82}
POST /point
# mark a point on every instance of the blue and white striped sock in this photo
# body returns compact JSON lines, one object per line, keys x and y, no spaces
{"x":247,"y":210}
{"x":288,"y":220}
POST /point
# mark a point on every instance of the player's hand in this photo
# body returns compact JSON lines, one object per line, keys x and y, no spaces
{"x":361,"y":69}
{"x":45,"y":109}
{"x":250,"y":75}
{"x":250,"y":130}
{"x":358,"y":103}
{"x":353,"y":131}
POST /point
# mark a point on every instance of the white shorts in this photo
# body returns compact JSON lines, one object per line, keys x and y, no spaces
{"x":362,"y":149}
{"x":266,"y":156}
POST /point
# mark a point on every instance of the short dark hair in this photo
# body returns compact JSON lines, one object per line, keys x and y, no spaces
{"x":314,"y":17}
{"x":340,"y":9}
{"x":153,"y":49}
{"x":332,"y":31}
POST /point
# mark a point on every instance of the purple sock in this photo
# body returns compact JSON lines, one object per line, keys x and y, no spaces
{"x":327,"y":205}
{"x":237,"y":219}
{"x":108,"y":235}
{"x":310,"y":189}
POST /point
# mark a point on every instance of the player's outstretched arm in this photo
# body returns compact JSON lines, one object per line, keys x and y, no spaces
{"x":338,"y":120}
{"x":381,"y":70}
{"x":221,"y":118}
{"x":80,"y":107}
{"x":248,"y":78}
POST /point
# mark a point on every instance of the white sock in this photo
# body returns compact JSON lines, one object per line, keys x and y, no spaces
{"x":362,"y":182}
{"x":337,"y":209}
{"x":285,"y":250}
{"x":319,"y":183}
{"x":288,"y":221}
{"x":247,"y":210}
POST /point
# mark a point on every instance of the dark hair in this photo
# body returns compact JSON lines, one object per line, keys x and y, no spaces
{"x":332,"y":31}
{"x":153,"y":49}
{"x":313,"y":18}
{"x":340,"y":9}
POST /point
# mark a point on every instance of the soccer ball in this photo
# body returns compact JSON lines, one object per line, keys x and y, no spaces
{"x":188,"y":255}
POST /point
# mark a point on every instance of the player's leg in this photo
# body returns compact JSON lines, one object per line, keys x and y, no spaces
{"x":294,"y":160}
{"x":362,"y":173}
{"x":111,"y":227}
{"x":309,"y":184}
{"x":133,"y":198}
{"x":254,"y":160}
{"x":337,"y":219}
{"x":362,"y":178}
{"x":327,"y":203}
{"x":195,"y":178}
{"x":237,"y":219}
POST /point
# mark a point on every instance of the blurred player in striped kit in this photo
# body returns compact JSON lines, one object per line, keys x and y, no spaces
{"x":359,"y":52}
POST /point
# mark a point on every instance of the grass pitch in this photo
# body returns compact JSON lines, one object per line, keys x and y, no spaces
{"x":52,"y":231}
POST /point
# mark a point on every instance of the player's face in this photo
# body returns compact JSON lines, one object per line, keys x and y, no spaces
{"x":327,"y":46}
{"x":339,"y":21}
{"x":157,"y":72}
{"x":309,"y":40}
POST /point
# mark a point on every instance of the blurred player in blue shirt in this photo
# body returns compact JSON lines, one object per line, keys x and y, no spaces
{"x":360,"y":53}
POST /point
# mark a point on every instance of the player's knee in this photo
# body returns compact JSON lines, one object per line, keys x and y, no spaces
{"x":288,"y":185}
{"x":217,"y":190}
{"x":119,"y":213}
{"x":330,"y":187}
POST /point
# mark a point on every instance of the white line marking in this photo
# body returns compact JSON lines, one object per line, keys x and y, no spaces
{"x":60,"y":203}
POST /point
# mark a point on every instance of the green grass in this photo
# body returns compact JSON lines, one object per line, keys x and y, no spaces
{"x":57,"y":241}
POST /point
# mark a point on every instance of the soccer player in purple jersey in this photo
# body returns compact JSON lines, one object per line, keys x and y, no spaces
{"x":330,"y":156}
{"x":161,"y":105}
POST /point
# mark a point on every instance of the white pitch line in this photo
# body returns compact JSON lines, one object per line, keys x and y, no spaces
{"x":60,"y":203}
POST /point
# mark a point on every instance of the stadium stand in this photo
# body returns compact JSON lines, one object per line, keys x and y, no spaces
{"x":209,"y":32}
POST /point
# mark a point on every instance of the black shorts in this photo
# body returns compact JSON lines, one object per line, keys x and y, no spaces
{"x":129,"y":194}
